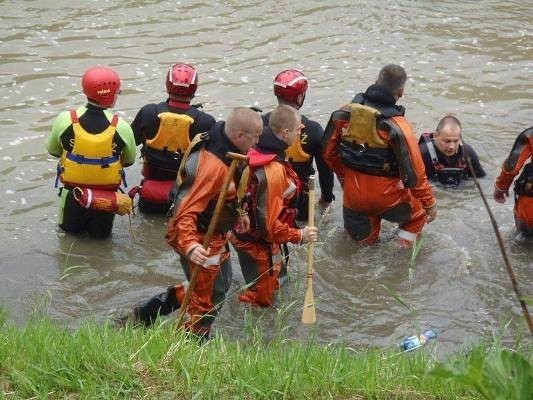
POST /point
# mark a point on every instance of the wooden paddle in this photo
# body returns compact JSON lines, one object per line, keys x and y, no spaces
{"x":308,"y":313}
{"x":235,"y":159}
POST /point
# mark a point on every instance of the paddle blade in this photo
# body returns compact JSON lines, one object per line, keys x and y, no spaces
{"x":309,"y":313}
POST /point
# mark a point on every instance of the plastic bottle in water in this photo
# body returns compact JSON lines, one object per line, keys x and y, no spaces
{"x":414,"y":342}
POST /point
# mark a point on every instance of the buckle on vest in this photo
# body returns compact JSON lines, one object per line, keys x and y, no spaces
{"x":360,"y":147}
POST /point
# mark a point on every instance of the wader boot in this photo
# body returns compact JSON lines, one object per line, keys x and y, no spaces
{"x":161,"y":304}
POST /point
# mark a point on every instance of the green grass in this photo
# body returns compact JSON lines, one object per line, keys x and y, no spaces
{"x":44,"y":360}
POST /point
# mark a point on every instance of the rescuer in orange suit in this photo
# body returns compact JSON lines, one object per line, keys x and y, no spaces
{"x":201,"y":177}
{"x":268,"y":194}
{"x":371,"y":147}
{"x":521,"y":153}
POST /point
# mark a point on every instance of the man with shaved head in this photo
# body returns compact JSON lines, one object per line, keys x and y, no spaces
{"x":445,"y":156}
{"x":269,"y":194}
{"x":201,"y":177}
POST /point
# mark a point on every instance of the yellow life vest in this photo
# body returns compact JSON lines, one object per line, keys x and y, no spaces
{"x":363,"y":127}
{"x":173,"y":133}
{"x":91,"y":162}
{"x":295,"y":153}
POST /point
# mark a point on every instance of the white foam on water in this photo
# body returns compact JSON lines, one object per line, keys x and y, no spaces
{"x":6,"y":158}
{"x":23,"y":201}
{"x":9,"y":191}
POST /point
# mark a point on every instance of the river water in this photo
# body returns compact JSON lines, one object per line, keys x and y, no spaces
{"x":474,"y":59}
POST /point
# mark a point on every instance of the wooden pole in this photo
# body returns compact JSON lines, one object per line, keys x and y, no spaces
{"x":507,"y":263}
{"x":235,"y":159}
{"x":309,"y":313}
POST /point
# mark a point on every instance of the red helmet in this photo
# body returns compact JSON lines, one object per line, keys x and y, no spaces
{"x":182,"y":80}
{"x":101,"y":85}
{"x":291,"y":85}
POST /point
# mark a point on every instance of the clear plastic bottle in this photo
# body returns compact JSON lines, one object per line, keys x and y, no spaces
{"x":414,"y":342}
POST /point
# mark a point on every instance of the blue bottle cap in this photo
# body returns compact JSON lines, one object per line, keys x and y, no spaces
{"x":430,"y":334}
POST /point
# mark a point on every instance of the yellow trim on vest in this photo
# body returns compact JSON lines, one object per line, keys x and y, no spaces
{"x":92,"y":146}
{"x":295,"y":153}
{"x":181,"y":170}
{"x":173,"y":133}
{"x":362,"y":128}
{"x":243,"y":183}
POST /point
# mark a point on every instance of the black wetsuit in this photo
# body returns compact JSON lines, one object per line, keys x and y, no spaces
{"x":458,"y":160}
{"x":145,"y":127}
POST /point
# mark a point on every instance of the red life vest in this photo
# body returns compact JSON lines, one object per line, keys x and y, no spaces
{"x":248,"y":196}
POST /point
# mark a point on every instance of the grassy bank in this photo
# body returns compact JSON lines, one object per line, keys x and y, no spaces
{"x":42,"y":360}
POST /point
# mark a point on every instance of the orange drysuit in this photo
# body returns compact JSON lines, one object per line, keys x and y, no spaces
{"x":380,"y":167}
{"x":271,"y":190}
{"x":521,"y":152}
{"x":204,"y":173}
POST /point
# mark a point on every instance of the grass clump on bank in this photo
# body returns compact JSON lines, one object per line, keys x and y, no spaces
{"x":43,"y":360}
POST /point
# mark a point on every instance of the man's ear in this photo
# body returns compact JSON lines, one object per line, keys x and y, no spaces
{"x":400,"y":92}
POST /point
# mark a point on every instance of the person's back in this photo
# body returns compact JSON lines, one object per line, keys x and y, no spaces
{"x":164,"y":131}
{"x":519,"y":159}
{"x":93,"y":147}
{"x":445,"y":156}
{"x":371,"y":147}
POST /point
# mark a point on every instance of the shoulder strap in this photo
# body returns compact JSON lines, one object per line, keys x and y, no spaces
{"x":198,"y":140}
{"x":431,"y":149}
{"x":114,"y":121}
{"x":74,"y":117}
{"x":243,"y":184}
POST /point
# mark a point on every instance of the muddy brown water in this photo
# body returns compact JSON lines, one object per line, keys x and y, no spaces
{"x":474,"y":59}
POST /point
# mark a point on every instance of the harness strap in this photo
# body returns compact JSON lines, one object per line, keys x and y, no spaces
{"x":75,"y":120}
{"x":104,"y":161}
{"x":431,"y":149}
{"x":74,"y":117}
